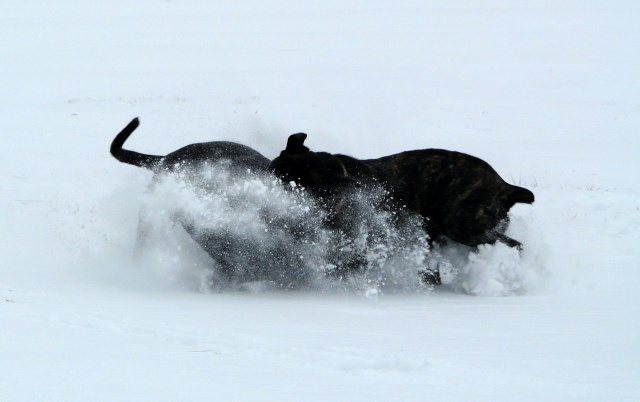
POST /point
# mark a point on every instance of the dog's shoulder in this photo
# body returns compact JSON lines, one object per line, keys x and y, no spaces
{"x":435,"y":158}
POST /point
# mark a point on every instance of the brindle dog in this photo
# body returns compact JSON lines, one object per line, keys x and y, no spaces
{"x":459,"y":196}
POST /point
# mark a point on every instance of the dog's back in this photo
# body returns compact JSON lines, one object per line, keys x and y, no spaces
{"x":241,"y":157}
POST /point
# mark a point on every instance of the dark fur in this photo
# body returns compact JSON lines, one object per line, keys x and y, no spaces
{"x":460,"y":197}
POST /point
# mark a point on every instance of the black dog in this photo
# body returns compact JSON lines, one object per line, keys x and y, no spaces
{"x":233,"y":254}
{"x":457,"y":195}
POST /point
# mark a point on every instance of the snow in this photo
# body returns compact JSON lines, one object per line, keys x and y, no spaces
{"x":546,"y":92}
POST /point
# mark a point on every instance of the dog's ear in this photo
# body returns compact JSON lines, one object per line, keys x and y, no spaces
{"x":295,"y":144}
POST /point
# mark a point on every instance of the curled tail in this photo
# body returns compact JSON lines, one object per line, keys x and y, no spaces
{"x":131,"y":157}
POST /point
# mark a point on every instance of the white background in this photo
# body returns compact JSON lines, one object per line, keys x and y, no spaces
{"x":547,"y":92}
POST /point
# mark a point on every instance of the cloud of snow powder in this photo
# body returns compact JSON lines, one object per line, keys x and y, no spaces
{"x":265,"y":237}
{"x":498,"y":270}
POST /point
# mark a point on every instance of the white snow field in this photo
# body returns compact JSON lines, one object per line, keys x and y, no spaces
{"x":547,"y":92}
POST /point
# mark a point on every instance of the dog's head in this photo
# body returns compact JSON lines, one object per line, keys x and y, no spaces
{"x":320,"y":173}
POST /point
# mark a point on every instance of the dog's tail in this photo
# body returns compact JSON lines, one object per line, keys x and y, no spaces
{"x":515,"y":194}
{"x":131,"y":157}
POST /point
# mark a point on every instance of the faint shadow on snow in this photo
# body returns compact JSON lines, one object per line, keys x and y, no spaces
{"x":101,"y":240}
{"x":403,"y":364}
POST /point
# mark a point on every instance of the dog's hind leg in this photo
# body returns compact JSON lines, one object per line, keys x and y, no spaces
{"x":142,"y":232}
{"x":502,"y":238}
{"x":492,"y":237}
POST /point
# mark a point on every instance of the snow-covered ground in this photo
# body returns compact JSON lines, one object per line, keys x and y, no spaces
{"x":545,"y":91}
